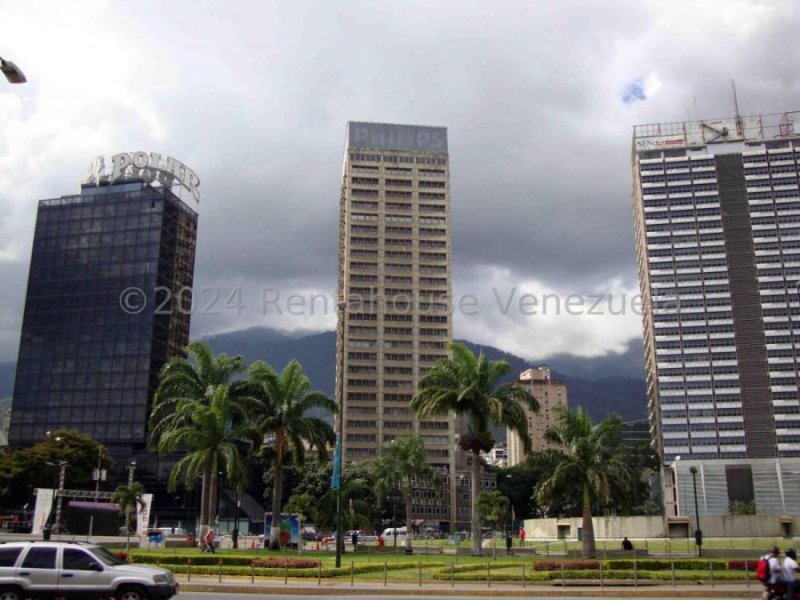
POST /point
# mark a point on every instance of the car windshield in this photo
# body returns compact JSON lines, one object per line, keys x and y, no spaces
{"x":106,"y":556}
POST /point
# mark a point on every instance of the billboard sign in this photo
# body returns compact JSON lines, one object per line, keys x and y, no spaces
{"x":290,"y":529}
{"x":660,"y":142}
{"x":405,"y":138}
{"x":151,"y":167}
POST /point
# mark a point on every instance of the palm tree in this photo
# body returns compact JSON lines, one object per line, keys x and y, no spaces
{"x":590,"y":461}
{"x":402,"y":465}
{"x":492,"y":510}
{"x":356,"y":500}
{"x":473,"y":387}
{"x":282,"y":402}
{"x":128,"y":497}
{"x":213,"y":432}
{"x":181,"y":380}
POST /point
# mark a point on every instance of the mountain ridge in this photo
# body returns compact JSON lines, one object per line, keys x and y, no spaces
{"x":602,"y":385}
{"x":605,"y":384}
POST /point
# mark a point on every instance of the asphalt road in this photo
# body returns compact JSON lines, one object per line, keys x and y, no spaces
{"x":335,"y":594}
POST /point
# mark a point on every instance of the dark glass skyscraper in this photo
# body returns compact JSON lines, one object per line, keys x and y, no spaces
{"x":107,"y":305}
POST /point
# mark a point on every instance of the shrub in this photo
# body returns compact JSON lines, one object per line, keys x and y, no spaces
{"x":473,"y":567}
{"x":666,"y":565}
{"x":203,"y":559}
{"x":279,"y":571}
{"x":742,"y":565}
{"x":572,"y":565}
{"x":285,"y":563}
{"x":122,"y":556}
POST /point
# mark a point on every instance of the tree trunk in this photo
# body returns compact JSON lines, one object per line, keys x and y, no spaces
{"x":474,"y":488}
{"x":408,"y":497}
{"x":127,"y":527}
{"x":213,"y":492}
{"x":588,"y":549}
{"x":277,"y":491}
{"x":204,"y":483}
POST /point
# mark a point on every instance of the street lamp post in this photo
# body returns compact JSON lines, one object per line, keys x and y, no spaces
{"x":131,"y":469}
{"x":698,"y":533}
{"x":62,"y":472}
{"x":175,"y":521}
{"x":339,"y":439}
{"x":99,"y":474}
{"x":12,"y":72}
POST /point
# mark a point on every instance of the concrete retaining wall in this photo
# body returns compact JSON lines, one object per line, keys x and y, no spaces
{"x":656,"y":527}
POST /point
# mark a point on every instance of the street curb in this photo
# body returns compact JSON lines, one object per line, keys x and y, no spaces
{"x":538,"y":592}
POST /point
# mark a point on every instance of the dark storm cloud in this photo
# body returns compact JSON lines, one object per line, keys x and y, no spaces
{"x":255,"y":97}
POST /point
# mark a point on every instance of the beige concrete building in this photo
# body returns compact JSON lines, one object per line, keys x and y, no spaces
{"x":395,"y":277}
{"x":549,"y":394}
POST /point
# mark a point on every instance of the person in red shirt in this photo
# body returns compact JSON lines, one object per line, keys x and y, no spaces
{"x":521,"y":537}
{"x":208,"y":541}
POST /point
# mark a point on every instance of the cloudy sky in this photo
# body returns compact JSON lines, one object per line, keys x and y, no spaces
{"x":539,"y":98}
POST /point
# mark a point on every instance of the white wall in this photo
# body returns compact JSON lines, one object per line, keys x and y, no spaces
{"x":655,"y":527}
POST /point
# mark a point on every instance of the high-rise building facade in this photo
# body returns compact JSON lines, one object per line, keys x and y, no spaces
{"x":395,"y":276}
{"x":550,"y":394}
{"x":107,"y":304}
{"x":717,"y":213}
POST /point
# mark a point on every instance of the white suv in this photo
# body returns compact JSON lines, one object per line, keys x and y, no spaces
{"x":76,"y":570}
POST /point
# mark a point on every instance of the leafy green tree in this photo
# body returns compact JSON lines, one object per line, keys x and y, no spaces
{"x":740,"y":507}
{"x":182,"y":381}
{"x":214,"y":432}
{"x":648,"y":508}
{"x":313,"y":478}
{"x":473,"y":387}
{"x":305,"y":505}
{"x":492,"y":508}
{"x":516,"y":483}
{"x":402,"y":466}
{"x":282,"y":403}
{"x":128,"y":498}
{"x":28,"y":468}
{"x":633,"y":496}
{"x":590,"y":462}
{"x":358,"y":497}
{"x":570,"y":503}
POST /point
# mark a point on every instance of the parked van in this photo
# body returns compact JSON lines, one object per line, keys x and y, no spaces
{"x":167,"y":531}
{"x":390,"y":532}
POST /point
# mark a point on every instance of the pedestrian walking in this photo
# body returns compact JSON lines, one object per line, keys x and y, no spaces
{"x":208,"y":541}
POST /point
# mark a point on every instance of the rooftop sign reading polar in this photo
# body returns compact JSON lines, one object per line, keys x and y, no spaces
{"x":405,"y":138}
{"x":151,"y":167}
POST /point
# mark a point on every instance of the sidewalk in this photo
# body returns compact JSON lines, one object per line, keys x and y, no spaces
{"x":621,"y":589}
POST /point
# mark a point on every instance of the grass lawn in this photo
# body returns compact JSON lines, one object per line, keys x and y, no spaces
{"x":368,"y":553}
{"x":403,"y":568}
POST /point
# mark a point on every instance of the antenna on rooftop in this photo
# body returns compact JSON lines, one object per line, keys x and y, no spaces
{"x":735,"y":102}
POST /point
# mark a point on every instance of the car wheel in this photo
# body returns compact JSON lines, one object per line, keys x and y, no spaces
{"x":10,"y":594}
{"x":127,"y":592}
